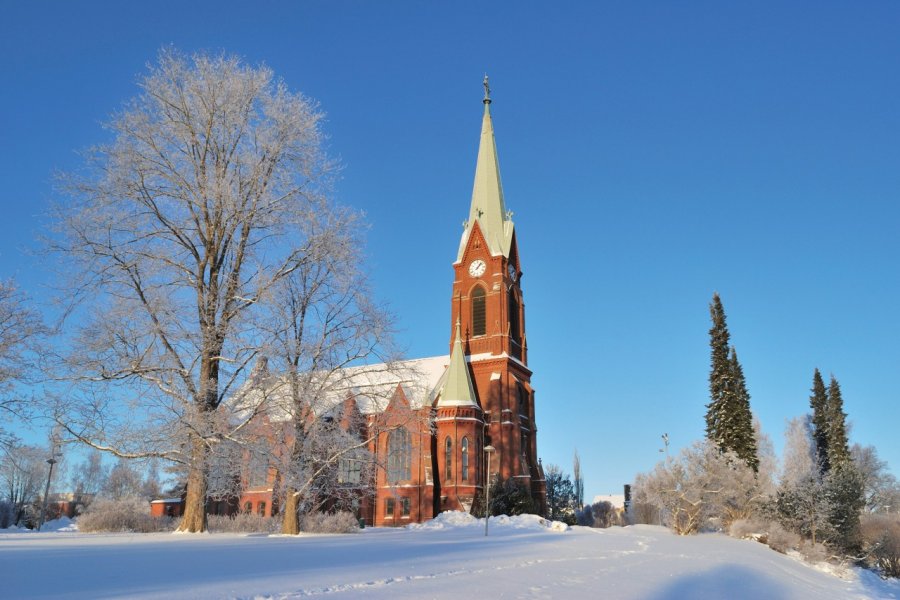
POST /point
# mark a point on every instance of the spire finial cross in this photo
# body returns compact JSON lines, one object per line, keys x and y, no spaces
{"x":487,"y":90}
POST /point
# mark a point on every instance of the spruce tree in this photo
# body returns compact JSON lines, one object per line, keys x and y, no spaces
{"x":729,"y":423}
{"x":818,"y":402}
{"x":721,"y":384}
{"x":744,"y":436}
{"x":838,"y":445}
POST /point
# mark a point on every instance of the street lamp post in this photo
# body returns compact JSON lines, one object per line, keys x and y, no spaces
{"x":488,"y":450}
{"x":50,"y":461}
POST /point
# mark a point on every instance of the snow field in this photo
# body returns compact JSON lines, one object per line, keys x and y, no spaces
{"x":524,"y":557}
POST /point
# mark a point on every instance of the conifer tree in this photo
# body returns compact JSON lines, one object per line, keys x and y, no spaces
{"x":818,"y":402}
{"x":721,"y":384}
{"x":744,"y":435}
{"x":838,"y":446}
{"x":729,"y":422}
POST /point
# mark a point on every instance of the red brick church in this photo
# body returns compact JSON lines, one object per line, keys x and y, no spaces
{"x":478,"y":396}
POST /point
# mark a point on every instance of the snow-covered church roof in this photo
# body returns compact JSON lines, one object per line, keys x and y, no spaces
{"x":371,"y":386}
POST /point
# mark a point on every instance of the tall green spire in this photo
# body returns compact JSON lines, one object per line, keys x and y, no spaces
{"x":458,"y":389}
{"x":488,"y":208}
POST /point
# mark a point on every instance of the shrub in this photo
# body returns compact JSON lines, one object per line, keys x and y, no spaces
{"x":781,"y":540}
{"x":243,"y":523}
{"x":339,"y":522}
{"x":770,"y":533}
{"x":511,"y":497}
{"x":125,"y":514}
{"x":881,"y":543}
{"x":817,"y":552}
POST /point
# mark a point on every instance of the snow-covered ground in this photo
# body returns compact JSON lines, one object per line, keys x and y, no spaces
{"x":449,"y":557}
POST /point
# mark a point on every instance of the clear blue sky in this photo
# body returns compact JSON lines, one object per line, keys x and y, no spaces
{"x":653,"y":153}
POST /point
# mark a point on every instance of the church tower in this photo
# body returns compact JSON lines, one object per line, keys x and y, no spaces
{"x":488,"y":329}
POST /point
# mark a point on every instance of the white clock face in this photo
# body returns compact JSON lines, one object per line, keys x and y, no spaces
{"x":477,"y":268}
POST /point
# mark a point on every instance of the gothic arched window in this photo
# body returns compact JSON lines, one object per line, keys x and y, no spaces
{"x":479,"y":318}
{"x":464,"y":448}
{"x":448,"y":458}
{"x":399,"y":452}
{"x":514,"y":329}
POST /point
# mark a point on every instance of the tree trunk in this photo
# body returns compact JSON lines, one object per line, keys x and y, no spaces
{"x":290,"y":523}
{"x":194,"y":520}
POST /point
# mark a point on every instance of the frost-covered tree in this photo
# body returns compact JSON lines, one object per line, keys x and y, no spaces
{"x":173,"y":238}
{"x":604,"y":515}
{"x":729,"y":422}
{"x":767,"y":470}
{"x":321,"y":321}
{"x":800,"y":461}
{"x":89,"y":477}
{"x":21,"y":328}
{"x":123,"y":481}
{"x":880,"y":488}
{"x":23,"y":471}
{"x":703,"y":486}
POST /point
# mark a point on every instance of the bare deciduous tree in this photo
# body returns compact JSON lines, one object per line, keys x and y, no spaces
{"x":880,"y":487}
{"x":23,"y":471}
{"x":175,"y":238}
{"x":21,"y":329}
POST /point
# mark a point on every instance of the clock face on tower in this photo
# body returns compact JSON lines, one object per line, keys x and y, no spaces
{"x":477,"y":268}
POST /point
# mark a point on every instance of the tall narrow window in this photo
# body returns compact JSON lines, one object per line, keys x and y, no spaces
{"x":399,"y":452}
{"x":448,"y":458}
{"x":389,"y":508}
{"x":261,"y":509}
{"x":514,"y":329}
{"x":479,"y":319}
{"x":464,"y":447}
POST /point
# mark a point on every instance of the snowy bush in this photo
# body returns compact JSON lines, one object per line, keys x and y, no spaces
{"x":125,"y":514}
{"x":243,"y":523}
{"x":781,"y":540}
{"x":881,"y":542}
{"x":766,"y":532}
{"x":339,"y":522}
{"x":815,"y":553}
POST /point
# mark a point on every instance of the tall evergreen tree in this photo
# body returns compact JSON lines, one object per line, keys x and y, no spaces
{"x":721,"y":383}
{"x":838,"y":445}
{"x":744,"y":435}
{"x":729,"y":423}
{"x":818,"y":402}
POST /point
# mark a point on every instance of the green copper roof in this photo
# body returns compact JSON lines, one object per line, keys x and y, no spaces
{"x":488,"y":209}
{"x":458,"y":390}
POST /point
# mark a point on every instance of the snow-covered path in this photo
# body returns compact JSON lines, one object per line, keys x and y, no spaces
{"x":635,"y":562}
